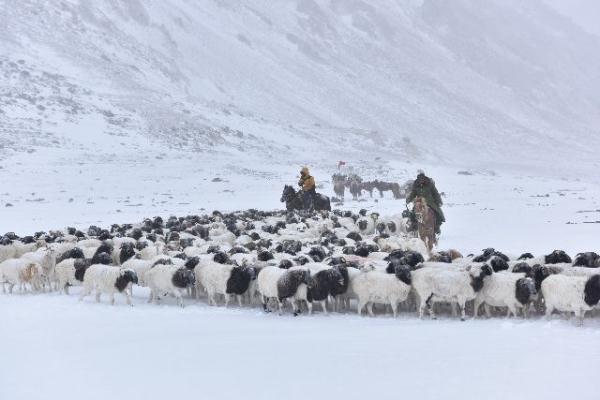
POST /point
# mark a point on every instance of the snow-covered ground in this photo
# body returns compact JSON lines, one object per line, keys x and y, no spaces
{"x":55,"y":347}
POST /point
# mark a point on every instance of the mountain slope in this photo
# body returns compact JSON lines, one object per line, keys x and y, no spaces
{"x":463,"y":82}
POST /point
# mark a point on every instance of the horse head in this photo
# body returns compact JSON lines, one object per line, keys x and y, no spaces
{"x":288,"y":193}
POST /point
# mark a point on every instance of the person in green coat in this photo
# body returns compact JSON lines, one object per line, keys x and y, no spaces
{"x":424,"y":187}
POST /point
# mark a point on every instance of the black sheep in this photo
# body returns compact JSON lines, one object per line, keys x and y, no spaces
{"x":191,"y":262}
{"x":285,"y":264}
{"x":265,"y":255}
{"x":557,"y":257}
{"x":324,"y":283}
{"x":302,"y":260}
{"x":489,"y":253}
{"x":291,"y":246}
{"x":127,"y":252}
{"x":75,"y":252}
{"x":354,"y":236}
{"x":363,"y":249}
{"x":523,"y":267}
{"x":525,"y":256}
{"x":288,"y":283}
{"x":588,"y":259}
{"x":221,"y":257}
{"x":317,"y":254}
{"x":81,"y":265}
{"x":498,"y":264}
{"x":239,"y":280}
{"x":238,"y":250}
{"x":103,"y":248}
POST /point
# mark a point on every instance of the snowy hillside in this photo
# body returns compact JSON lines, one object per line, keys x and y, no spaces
{"x":421,"y":80}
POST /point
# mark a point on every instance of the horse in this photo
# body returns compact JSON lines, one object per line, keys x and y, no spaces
{"x":368,"y":186}
{"x":426,"y":219}
{"x":391,"y":186}
{"x":293,"y":200}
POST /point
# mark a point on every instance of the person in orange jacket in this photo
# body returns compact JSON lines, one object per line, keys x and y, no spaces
{"x":307,"y":183}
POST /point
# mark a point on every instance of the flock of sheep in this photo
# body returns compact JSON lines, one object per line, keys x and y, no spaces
{"x":338,"y":261}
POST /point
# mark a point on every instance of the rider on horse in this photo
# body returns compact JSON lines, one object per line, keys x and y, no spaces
{"x":307,"y":183}
{"x":425,"y":187}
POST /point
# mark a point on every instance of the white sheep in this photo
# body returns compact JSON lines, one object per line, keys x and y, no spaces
{"x":393,"y":225}
{"x":16,"y":250}
{"x":372,"y":286}
{"x":576,"y":294}
{"x":366,"y":225}
{"x":151,"y":251}
{"x":168,"y":279}
{"x":141,"y":267}
{"x":506,"y":289}
{"x":46,"y":258}
{"x":20,"y":271}
{"x":94,"y":243}
{"x":344,"y":299}
{"x":453,"y":285}
{"x":66,"y":273}
{"x":109,"y":280}
{"x":7,"y":251}
{"x":279,"y":284}
{"x":225,"y":279}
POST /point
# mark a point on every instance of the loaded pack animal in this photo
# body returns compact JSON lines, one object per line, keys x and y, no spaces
{"x":339,"y":185}
{"x":355,"y":186}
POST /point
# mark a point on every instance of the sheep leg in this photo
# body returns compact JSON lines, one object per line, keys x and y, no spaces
{"x":370,"y":309}
{"x":112,"y":298}
{"x":360,"y":306}
{"x":462,"y":310}
{"x":324,"y":306}
{"x":295,"y":308}
{"x":511,"y":310}
{"x":226,"y":299}
{"x":128,"y":298}
{"x":549,"y":309}
{"x":84,"y":293}
{"x":476,"y":306}
{"x":179,"y":299}
{"x":394,"y":305}
{"x":429,"y":305}
{"x":10,"y":287}
{"x":488,"y":311}
{"x":454,"y":311}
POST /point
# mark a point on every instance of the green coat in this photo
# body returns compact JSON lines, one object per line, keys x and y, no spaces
{"x":431,"y":195}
